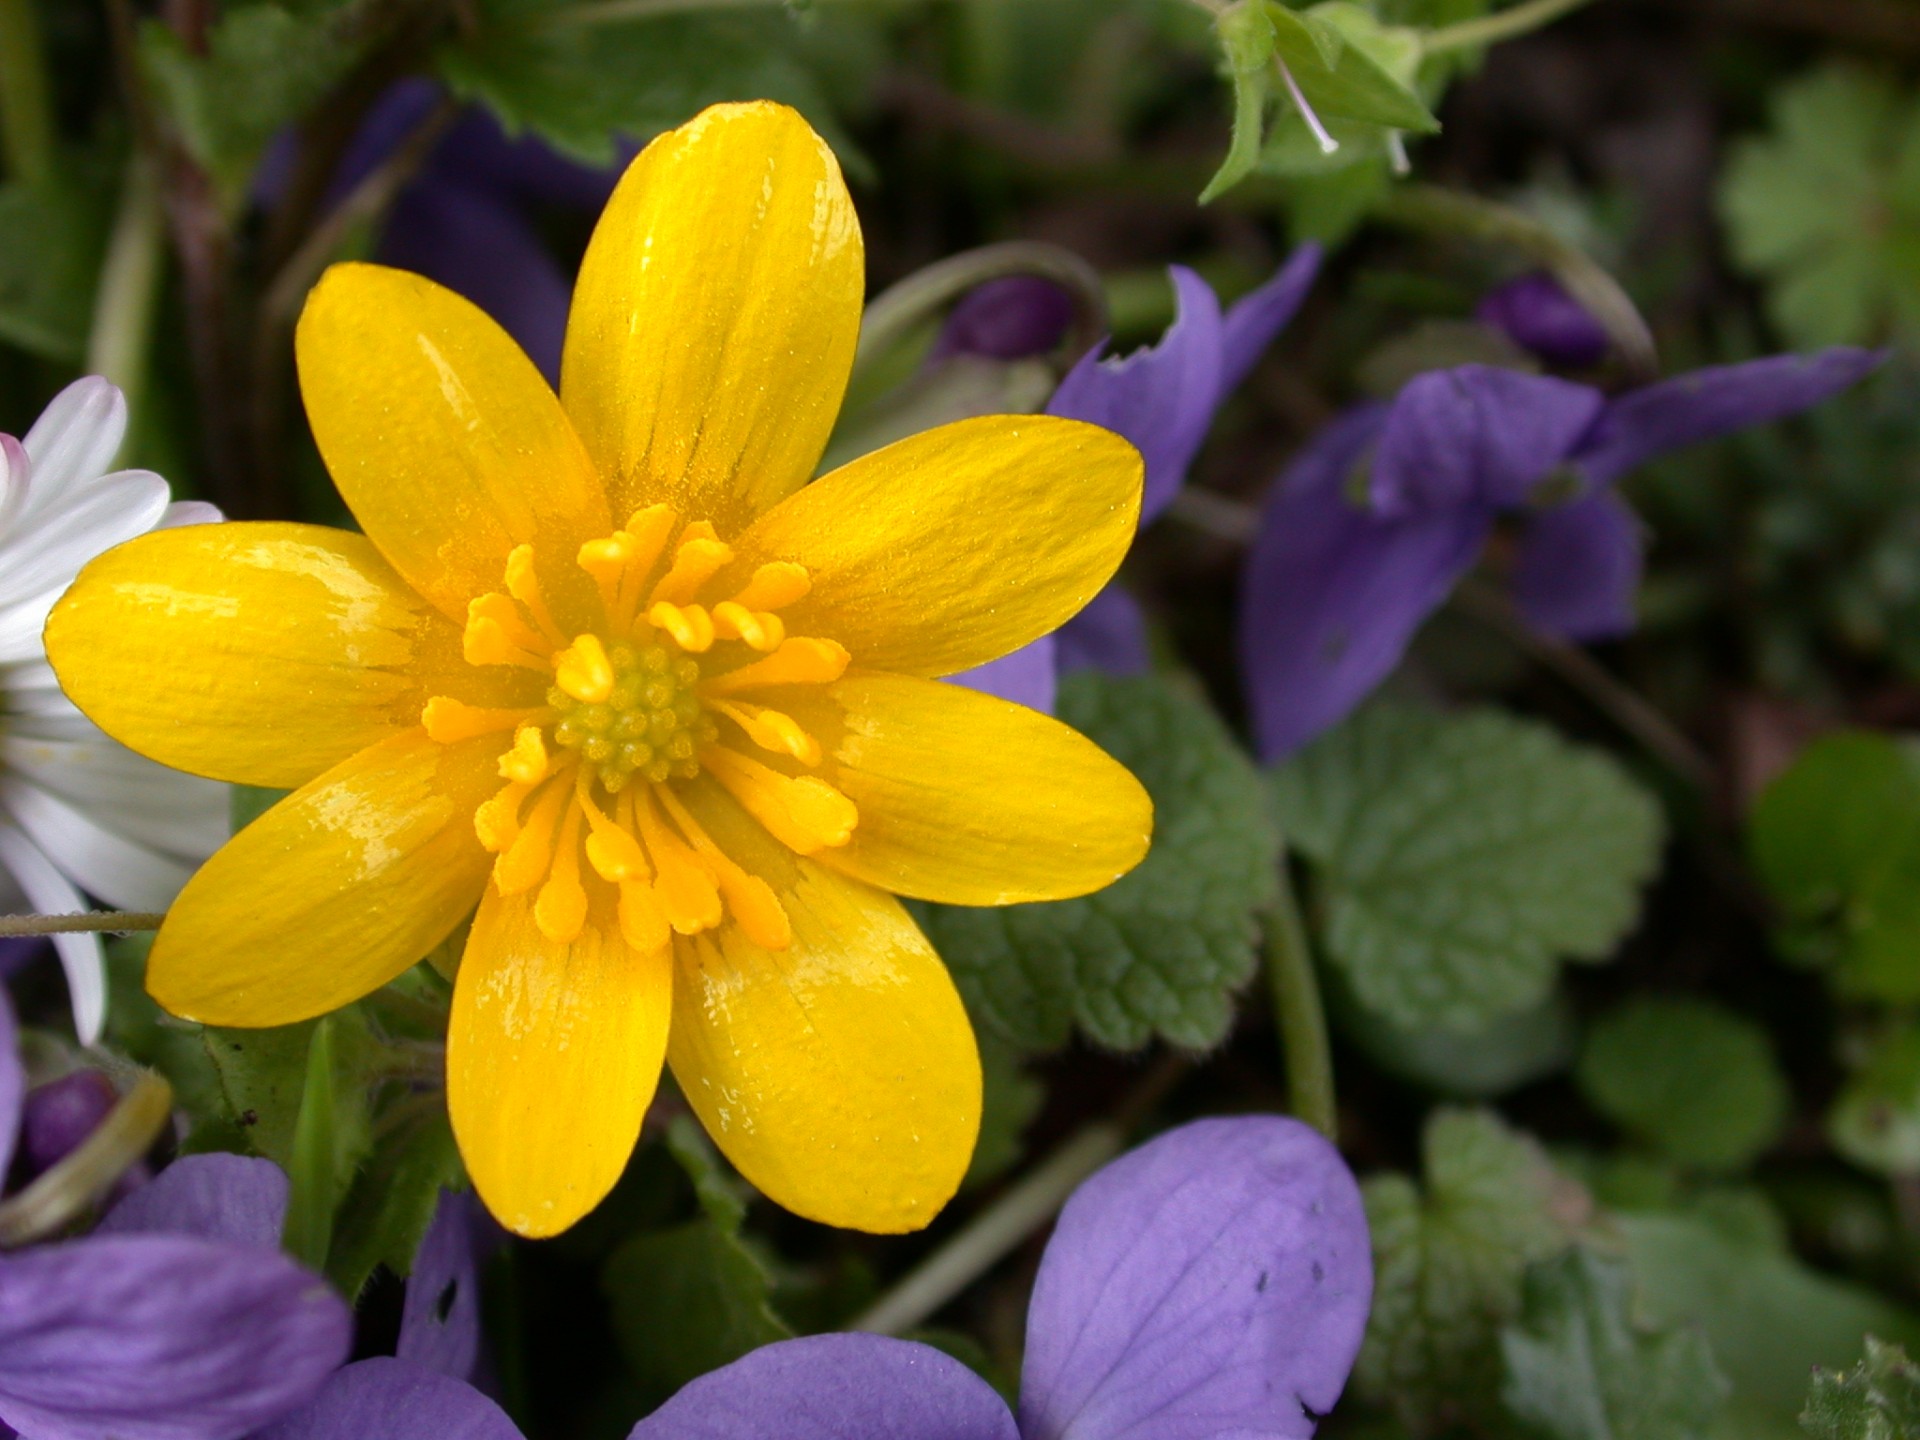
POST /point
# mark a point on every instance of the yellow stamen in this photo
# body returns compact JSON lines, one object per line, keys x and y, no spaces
{"x":761,"y":629}
{"x":497,"y":821}
{"x":803,"y":813}
{"x":449,"y":721}
{"x":780,"y":583}
{"x":584,"y":671}
{"x":771,"y":730}
{"x":607,"y":561}
{"x":612,"y":851}
{"x":697,"y":560}
{"x":800,"y":660}
{"x":524,"y":585}
{"x":561,"y":909}
{"x":526,"y":862}
{"x":754,"y":905}
{"x":643,"y":920}
{"x":650,"y":526}
{"x":527,"y":761}
{"x":497,"y":635}
{"x":690,"y":626}
{"x":685,"y":890}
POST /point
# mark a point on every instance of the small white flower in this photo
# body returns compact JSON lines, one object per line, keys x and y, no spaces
{"x":80,"y":812}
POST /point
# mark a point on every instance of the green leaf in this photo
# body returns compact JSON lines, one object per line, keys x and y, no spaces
{"x":1825,"y":208}
{"x":581,"y":87}
{"x":1769,"y":1318}
{"x":1875,"y":1122}
{"x":392,"y":1200}
{"x":1688,"y":1077}
{"x":1836,"y":839}
{"x":266,"y":65}
{"x":1246,"y":44}
{"x":1578,"y":1368}
{"x":1343,"y":61}
{"x":1163,"y":949}
{"x":690,"y":1298}
{"x":1514,"y":1050}
{"x":316,"y":1187}
{"x":1459,"y":857}
{"x":1449,"y":1264}
{"x":1879,"y":1399}
{"x":56,"y":236}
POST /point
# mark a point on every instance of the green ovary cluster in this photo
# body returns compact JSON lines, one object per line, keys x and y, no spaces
{"x":651,"y":725}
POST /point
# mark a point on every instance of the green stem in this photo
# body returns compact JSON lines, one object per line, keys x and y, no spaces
{"x":114,"y":922}
{"x":1492,"y":29}
{"x":129,"y":293}
{"x":1435,"y":210}
{"x":1298,"y":1013}
{"x":26,"y":107}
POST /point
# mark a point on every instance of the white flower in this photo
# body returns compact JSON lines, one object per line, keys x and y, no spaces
{"x":80,"y":812}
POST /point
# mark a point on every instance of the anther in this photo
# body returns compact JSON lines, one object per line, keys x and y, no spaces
{"x":449,"y":721}
{"x":583,"y":670}
{"x":526,"y":763}
{"x":772,"y":730}
{"x":778,"y":583}
{"x":760,"y":629}
{"x":690,"y":626}
{"x":800,"y":660}
{"x":524,"y":585}
{"x":686,"y":891}
{"x":697,"y":560}
{"x":803,"y":813}
{"x":560,"y":910}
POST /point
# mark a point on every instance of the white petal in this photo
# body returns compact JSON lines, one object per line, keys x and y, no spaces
{"x":49,"y":544}
{"x":22,"y":622}
{"x":16,"y":474}
{"x":163,"y":809}
{"x":81,"y":956}
{"x":75,"y":438}
{"x":118,"y":870}
{"x":189,"y":512}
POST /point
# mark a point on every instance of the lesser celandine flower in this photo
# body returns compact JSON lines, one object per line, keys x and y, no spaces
{"x":603,"y":666}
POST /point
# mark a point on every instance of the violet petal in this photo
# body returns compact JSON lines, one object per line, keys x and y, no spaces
{"x":1475,"y":435}
{"x":440,"y":1319}
{"x":1333,"y":594}
{"x":387,"y":1399}
{"x":1161,"y":398}
{"x":1252,"y":321}
{"x":161,"y":1337}
{"x":835,"y":1387}
{"x":1704,"y":403}
{"x":13,"y":1084}
{"x":1009,"y":318}
{"x":1025,"y":676}
{"x":1214,"y":1282}
{"x":1579,"y":568}
{"x":1537,"y":314}
{"x":1110,"y":635}
{"x":234,"y":1199}
{"x":61,"y":1114}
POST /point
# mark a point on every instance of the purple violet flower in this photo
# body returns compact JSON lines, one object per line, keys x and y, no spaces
{"x":1163,"y":398}
{"x":1539,"y":316}
{"x":1390,"y":506}
{"x":1213,"y":1282}
{"x":176,"y":1319}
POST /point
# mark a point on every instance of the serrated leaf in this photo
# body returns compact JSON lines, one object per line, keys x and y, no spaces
{"x":1836,"y":839}
{"x":1879,"y":1399}
{"x":1458,"y":858}
{"x":1449,"y":1262}
{"x":1163,"y":949}
{"x":1688,"y":1077}
{"x":1875,"y":1122}
{"x":1515,"y":1050}
{"x":391,"y":1201}
{"x":1578,"y":1368}
{"x":1769,"y":1318}
{"x":583,"y":87}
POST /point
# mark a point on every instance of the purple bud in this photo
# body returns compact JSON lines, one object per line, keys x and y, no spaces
{"x":1538,"y":315}
{"x":1007,"y":319}
{"x":63,"y":1113}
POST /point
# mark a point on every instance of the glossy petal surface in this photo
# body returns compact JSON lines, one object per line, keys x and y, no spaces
{"x":446,"y":443}
{"x":835,"y":1387}
{"x":1214,"y":1282}
{"x":715,"y":317}
{"x":1334,"y":594}
{"x":160,"y":1337}
{"x":968,"y":799}
{"x":238,"y":1199}
{"x":839,"y":1075}
{"x":387,"y":1399}
{"x":553,"y":1053}
{"x":953,"y":547}
{"x":291,"y":647}
{"x":334,"y":891}
{"x":1578,"y":569}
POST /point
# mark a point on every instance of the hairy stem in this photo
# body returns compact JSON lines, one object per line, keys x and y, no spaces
{"x":1508,"y":24}
{"x":112,"y":922}
{"x":1298,"y":1014}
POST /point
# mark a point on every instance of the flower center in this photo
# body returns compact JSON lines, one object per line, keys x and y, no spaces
{"x":662,"y":685}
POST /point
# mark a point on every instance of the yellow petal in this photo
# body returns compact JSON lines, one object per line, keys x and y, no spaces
{"x":334,"y":891}
{"x":446,"y":443}
{"x":715,"y":317}
{"x":953,"y":547}
{"x":967,"y":799}
{"x":257,"y":653}
{"x":553,"y":1053}
{"x":840,"y":1074}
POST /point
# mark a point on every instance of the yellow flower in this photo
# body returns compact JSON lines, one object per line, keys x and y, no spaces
{"x":607,"y":666}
